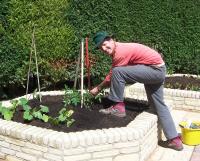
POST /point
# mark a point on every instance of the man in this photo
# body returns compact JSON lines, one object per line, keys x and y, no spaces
{"x":131,"y":63}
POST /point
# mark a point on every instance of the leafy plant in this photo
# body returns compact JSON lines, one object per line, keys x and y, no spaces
{"x":88,"y":99}
{"x":65,"y":116}
{"x":8,"y":112}
{"x":41,"y":113}
{"x":71,"y":97}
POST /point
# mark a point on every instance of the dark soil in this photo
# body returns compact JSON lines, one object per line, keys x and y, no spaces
{"x":183,"y":82}
{"x":85,"y":119}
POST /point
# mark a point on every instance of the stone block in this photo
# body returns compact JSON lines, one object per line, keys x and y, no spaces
{"x":97,"y":148}
{"x":52,"y":157}
{"x":26,"y":156}
{"x":8,"y":151}
{"x":128,"y":157}
{"x":12,"y":158}
{"x":31,"y":151}
{"x":4,"y":144}
{"x":104,"y":154}
{"x":86,"y":156}
{"x":74,"y":151}
{"x":36,"y":147}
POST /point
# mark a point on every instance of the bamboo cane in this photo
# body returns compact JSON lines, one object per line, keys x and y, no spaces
{"x":36,"y":63}
{"x":82,"y":70}
{"x":29,"y":69}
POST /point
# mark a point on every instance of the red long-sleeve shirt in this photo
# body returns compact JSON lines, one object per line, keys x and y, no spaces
{"x":132,"y":54}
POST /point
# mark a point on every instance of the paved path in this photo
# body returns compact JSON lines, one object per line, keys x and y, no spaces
{"x":189,"y":153}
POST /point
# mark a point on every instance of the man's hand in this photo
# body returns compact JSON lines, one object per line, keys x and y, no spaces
{"x":95,"y":91}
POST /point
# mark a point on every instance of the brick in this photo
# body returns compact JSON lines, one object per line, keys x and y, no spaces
{"x":38,"y":139}
{"x":102,"y":136}
{"x":7,"y":151}
{"x":12,"y":158}
{"x":74,"y":140}
{"x":126,"y":144}
{"x":15,"y":141}
{"x":130,"y":150}
{"x":36,"y":134}
{"x":52,"y":157}
{"x":25,"y":131}
{"x":2,"y":155}
{"x":123,"y":134}
{"x":42,"y":159}
{"x":55,"y":151}
{"x":86,"y":156}
{"x":15,"y":147}
{"x":26,"y":156}
{"x":81,"y":138}
{"x":129,"y":157}
{"x":31,"y":151}
{"x":96,"y":139}
{"x":102,"y":159}
{"x":116,"y":135}
{"x":2,"y":138}
{"x":109,"y":135}
{"x":46,"y":138}
{"x":192,"y":102}
{"x":3,"y":126}
{"x":67,"y":141}
{"x":28,"y":133}
{"x":99,"y":148}
{"x":104,"y":154}
{"x":19,"y":131}
{"x":36,"y":147}
{"x":88,"y":139}
{"x":74,"y":151}
{"x":4,"y":144}
{"x":52,"y":140}
{"x":13,"y":133}
{"x":10,"y":126}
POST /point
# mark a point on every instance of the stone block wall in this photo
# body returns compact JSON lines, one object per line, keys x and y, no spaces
{"x":174,"y":98}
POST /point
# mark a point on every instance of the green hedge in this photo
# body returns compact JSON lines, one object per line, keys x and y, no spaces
{"x":171,"y":27}
{"x":53,"y":36}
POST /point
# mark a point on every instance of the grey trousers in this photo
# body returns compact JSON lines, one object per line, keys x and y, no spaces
{"x":153,"y":79}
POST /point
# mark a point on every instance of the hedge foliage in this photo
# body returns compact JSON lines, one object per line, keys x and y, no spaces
{"x":171,"y":27}
{"x":53,"y":39}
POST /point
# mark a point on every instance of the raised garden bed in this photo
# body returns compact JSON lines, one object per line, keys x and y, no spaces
{"x":183,"y":82}
{"x":134,"y":141}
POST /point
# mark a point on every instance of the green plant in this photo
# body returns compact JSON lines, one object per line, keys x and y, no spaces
{"x":89,"y":100}
{"x":41,"y":113}
{"x":8,"y":112}
{"x":65,"y":116}
{"x":71,"y":97}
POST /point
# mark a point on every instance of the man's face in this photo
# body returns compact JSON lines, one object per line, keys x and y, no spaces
{"x":108,"y":47}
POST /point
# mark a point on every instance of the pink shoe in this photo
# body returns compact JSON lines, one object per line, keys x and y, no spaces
{"x":175,"y":143}
{"x":116,"y":110}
